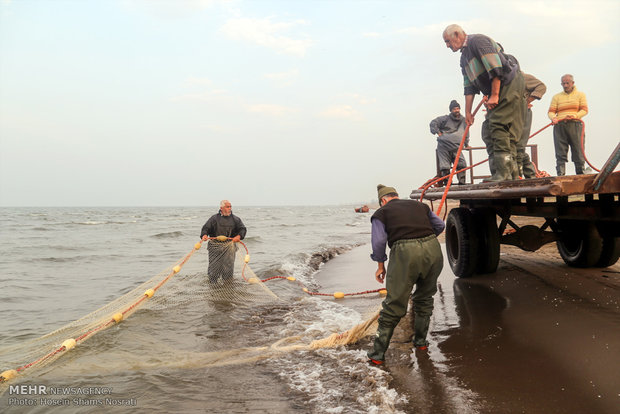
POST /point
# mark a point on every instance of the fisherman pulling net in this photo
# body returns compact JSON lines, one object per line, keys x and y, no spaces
{"x":229,"y":280}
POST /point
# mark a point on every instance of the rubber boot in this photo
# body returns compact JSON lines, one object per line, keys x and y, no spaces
{"x":443,"y":174}
{"x":504,"y":166}
{"x":382,"y":341}
{"x":578,"y":168}
{"x":491,"y":165}
{"x":528,"y":170}
{"x":514,"y":168}
{"x":560,"y":169}
{"x":420,"y":328}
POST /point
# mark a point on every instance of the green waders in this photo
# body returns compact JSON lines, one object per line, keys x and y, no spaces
{"x":526,"y":167}
{"x":502,"y":129}
{"x":412,"y":262}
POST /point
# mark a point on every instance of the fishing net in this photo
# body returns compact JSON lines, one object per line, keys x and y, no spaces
{"x":228,"y":279}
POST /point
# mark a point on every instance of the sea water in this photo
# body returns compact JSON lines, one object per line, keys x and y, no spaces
{"x":59,"y":264}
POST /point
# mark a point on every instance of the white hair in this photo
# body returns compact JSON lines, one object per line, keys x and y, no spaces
{"x":452,"y":29}
{"x":223,"y":203}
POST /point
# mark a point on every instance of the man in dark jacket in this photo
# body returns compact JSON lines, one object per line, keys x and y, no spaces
{"x":222,"y":253}
{"x":410,"y":229}
{"x":450,"y":129}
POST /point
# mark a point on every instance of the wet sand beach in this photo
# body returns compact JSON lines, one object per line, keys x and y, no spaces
{"x":535,"y":337}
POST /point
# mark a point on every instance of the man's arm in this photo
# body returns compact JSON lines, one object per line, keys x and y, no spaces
{"x":207,"y":228}
{"x":496,"y":83}
{"x":536,"y":88}
{"x":437,"y":223}
{"x":378,"y":240}
{"x":583,"y":106}
{"x":552,"y":113}
{"x":435,"y":125}
{"x":240,"y":228}
{"x":469,"y":103}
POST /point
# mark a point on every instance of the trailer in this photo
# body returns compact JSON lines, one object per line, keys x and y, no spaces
{"x":581,"y":215}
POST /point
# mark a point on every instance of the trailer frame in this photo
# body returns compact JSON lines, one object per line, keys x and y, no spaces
{"x":581,"y":214}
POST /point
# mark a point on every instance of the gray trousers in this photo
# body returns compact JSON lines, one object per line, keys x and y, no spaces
{"x":446,"y":155}
{"x":567,"y":134}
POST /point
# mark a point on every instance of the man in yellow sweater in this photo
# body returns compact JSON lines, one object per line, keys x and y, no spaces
{"x":565,"y":111}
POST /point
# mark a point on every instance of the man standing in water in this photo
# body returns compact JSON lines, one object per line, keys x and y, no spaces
{"x":410,"y":229}
{"x":450,"y":129}
{"x":222,"y":253}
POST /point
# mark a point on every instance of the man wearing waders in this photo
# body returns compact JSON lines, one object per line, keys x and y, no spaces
{"x":222,"y":253}
{"x":534,"y":89}
{"x":486,"y":69}
{"x":450,"y":129}
{"x":409,"y":228}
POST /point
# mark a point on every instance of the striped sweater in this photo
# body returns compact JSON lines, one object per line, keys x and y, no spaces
{"x":483,"y":59}
{"x":564,"y":104}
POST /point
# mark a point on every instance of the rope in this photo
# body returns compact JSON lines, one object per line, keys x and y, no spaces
{"x":118,"y":317}
{"x":458,"y":154}
{"x":70,"y":343}
{"x":539,"y":174}
{"x":583,"y":148}
{"x":337,"y":295}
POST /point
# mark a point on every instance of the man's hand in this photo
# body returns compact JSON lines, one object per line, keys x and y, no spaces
{"x":380,"y":273}
{"x":469,"y":118}
{"x":492,"y":101}
{"x":439,"y":134}
{"x":205,"y":238}
{"x":236,"y":239}
{"x":555,"y":120}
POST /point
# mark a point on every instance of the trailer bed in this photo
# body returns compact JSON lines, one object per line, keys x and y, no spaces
{"x":581,"y":214}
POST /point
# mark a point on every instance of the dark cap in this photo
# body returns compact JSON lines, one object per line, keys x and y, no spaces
{"x":382,"y":191}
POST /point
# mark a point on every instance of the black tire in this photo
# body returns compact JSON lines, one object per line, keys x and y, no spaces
{"x":610,"y":252}
{"x":485,"y":223}
{"x":579,"y":243}
{"x":461,"y":242}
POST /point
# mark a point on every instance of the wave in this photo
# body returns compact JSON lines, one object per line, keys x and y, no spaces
{"x":304,"y":265}
{"x":168,"y":235}
{"x":324,"y":256}
{"x":97,"y":223}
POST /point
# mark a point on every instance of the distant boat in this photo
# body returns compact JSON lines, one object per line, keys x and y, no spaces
{"x":362,"y":209}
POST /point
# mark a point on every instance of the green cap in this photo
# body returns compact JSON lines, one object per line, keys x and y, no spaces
{"x":383,"y":190}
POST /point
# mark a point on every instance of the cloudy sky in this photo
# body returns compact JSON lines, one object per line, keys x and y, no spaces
{"x":147,"y":103}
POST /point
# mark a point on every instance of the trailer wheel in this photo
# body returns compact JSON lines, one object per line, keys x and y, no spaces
{"x":579,"y":243}
{"x":488,"y":240}
{"x":461,"y":242}
{"x":610,"y":252}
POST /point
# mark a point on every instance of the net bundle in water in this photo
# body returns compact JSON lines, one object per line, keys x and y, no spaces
{"x":228,"y":278}
{"x":218,"y":272}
